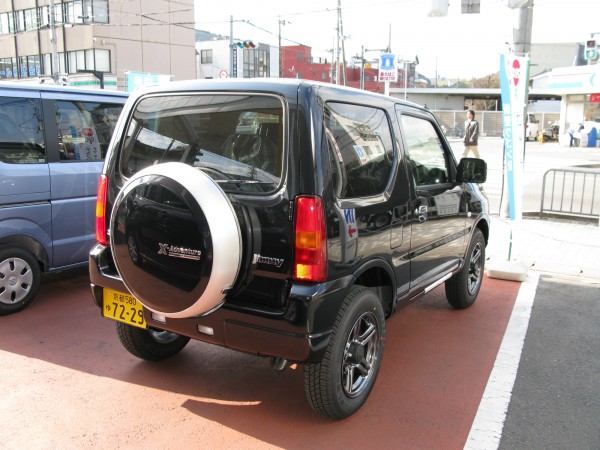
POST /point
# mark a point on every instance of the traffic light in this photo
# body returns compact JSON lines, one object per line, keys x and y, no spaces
{"x":246,"y":44}
{"x":591,"y":52}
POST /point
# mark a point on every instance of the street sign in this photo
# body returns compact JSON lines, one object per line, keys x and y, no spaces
{"x":223,"y":73}
{"x":387,"y":67}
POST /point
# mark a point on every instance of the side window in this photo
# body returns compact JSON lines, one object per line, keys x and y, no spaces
{"x":85,"y":129}
{"x":21,"y":131}
{"x":361,"y":150}
{"x":427,"y":157}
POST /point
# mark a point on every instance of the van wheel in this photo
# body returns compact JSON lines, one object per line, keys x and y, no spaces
{"x":151,"y":344}
{"x":462,"y":289}
{"x":20,"y":277}
{"x":339,"y":385}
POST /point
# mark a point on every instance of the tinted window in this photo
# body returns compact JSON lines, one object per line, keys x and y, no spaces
{"x":21,"y":131}
{"x":85,"y":129}
{"x":360,"y":149}
{"x":426,"y":152}
{"x":235,"y":139}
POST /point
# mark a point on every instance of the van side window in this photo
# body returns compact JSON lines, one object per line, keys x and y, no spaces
{"x":361,"y":151}
{"x":21,"y":131}
{"x":84,"y":129}
{"x":426,"y":152}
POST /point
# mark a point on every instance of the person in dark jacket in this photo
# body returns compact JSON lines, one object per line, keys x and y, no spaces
{"x":471,"y":134}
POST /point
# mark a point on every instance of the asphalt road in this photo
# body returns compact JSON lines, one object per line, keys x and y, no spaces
{"x":555,"y":402}
{"x":539,"y":158}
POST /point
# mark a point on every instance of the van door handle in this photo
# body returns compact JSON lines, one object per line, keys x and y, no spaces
{"x":421,"y":213}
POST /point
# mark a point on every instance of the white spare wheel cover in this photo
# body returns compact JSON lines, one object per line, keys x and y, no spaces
{"x":176,"y":240}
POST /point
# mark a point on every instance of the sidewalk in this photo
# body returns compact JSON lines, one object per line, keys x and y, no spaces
{"x":559,"y":246}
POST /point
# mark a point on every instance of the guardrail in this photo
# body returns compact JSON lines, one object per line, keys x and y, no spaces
{"x":572,"y":192}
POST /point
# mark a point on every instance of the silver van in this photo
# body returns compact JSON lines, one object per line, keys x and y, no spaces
{"x":53,"y":140}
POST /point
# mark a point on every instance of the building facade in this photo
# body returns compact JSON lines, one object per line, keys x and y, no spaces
{"x":298,"y":62}
{"x":70,"y":39}
{"x":220,"y":57}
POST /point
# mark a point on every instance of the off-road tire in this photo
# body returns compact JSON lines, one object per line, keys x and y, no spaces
{"x":462,"y":289}
{"x":338,"y":386}
{"x":151,"y":344}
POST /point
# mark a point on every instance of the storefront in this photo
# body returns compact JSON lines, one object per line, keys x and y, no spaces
{"x":579,"y":87}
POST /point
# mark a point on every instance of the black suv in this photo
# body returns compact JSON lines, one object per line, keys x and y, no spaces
{"x":292,"y":237}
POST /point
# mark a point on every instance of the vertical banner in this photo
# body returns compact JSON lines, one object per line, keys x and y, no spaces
{"x":514,"y":87}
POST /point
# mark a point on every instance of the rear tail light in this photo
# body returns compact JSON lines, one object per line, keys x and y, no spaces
{"x":310,"y":261}
{"x":101,"y":210}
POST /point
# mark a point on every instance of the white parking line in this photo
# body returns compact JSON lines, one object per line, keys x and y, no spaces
{"x":486,"y":430}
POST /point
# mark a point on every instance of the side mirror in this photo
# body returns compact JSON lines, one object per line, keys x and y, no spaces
{"x":472,"y":170}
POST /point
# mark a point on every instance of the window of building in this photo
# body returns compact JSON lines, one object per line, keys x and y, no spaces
{"x":102,"y":60}
{"x":361,"y":150}
{"x":8,"y":68}
{"x":85,"y":11}
{"x":91,"y":59}
{"x":19,"y":21}
{"x":96,"y":11}
{"x":206,"y":56}
{"x":73,"y":11}
{"x":256,"y":63}
{"x":6,"y":23}
{"x":31,"y":19}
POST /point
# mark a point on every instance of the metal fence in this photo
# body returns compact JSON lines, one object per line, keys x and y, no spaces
{"x":574,"y":192}
{"x":490,"y":122}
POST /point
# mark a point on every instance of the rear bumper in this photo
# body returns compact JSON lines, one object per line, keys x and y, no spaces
{"x":299,"y":333}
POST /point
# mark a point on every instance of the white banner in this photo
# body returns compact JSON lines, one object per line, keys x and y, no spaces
{"x":514,"y":87}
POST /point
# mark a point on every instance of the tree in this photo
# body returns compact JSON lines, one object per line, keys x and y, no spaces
{"x":486,"y":82}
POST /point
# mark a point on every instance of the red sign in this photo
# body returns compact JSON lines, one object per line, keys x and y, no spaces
{"x":516,"y":71}
{"x":351,"y":230}
{"x":595,"y":98}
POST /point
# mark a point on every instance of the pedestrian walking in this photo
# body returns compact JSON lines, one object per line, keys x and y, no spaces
{"x":471,"y":134}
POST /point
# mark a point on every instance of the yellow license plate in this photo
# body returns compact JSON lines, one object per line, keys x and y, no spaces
{"x":123,"y":308}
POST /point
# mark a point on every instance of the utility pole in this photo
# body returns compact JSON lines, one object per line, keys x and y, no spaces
{"x":362,"y":67}
{"x":53,"y":41}
{"x":341,"y":34}
{"x":231,"y":49}
{"x":522,"y":30}
{"x":281,"y":22}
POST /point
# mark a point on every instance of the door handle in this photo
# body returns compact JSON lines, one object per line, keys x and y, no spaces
{"x":421,"y":213}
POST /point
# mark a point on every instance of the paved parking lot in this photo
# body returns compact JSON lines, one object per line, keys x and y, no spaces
{"x":68,"y":383}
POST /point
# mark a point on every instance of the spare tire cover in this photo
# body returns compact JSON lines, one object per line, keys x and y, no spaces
{"x":176,"y":240}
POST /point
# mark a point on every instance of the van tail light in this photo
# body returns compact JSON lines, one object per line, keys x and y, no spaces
{"x":101,"y":210}
{"x":310,"y":260}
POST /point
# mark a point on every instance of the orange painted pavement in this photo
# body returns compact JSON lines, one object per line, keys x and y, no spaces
{"x":68,"y":383}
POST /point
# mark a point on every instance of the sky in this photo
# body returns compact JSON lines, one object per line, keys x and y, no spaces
{"x":458,"y":45}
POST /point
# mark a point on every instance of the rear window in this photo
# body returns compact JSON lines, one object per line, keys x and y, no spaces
{"x":236,"y":139}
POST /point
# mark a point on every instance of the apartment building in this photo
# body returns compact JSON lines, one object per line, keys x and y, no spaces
{"x":71,"y":39}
